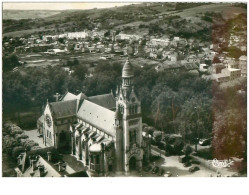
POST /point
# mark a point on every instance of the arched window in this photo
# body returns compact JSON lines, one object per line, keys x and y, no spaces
{"x":135,"y":108}
{"x":121,"y":108}
{"x":132,"y":136}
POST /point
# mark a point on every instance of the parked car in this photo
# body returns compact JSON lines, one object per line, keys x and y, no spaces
{"x":182,"y":159}
{"x":193,"y":169}
{"x":161,"y":172}
{"x":168,"y":174}
{"x":205,"y":142}
{"x":155,"y":170}
{"x":147,"y":169}
{"x":187,"y":164}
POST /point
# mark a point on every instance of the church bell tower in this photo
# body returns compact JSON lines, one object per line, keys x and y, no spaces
{"x":129,"y":107}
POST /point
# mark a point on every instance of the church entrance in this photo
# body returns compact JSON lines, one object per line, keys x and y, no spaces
{"x":64,"y":142}
{"x":132,"y":163}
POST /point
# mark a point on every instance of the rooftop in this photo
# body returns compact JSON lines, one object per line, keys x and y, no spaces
{"x":63,"y":108}
{"x":98,"y":116}
{"x":105,"y":100}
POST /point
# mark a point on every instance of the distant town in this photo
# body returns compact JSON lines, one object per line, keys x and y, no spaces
{"x":172,"y":53}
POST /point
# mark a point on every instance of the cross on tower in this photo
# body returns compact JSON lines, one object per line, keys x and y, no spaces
{"x":57,"y":95}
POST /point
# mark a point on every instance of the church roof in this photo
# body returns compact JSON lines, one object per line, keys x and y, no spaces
{"x":105,"y":100}
{"x":81,"y":96}
{"x":41,"y":119}
{"x":63,"y":108}
{"x":68,"y":96}
{"x":98,"y":116}
{"x":127,"y":69}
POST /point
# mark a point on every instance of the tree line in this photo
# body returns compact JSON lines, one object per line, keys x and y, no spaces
{"x":172,"y":101}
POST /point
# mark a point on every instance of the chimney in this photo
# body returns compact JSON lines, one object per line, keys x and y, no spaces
{"x":41,"y":170}
{"x":30,"y":161}
{"x":49,"y":156}
{"x":19,"y":160}
{"x":33,"y":165}
{"x":60,"y":166}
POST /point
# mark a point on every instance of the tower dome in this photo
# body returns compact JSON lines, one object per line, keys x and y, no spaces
{"x":127,"y":69}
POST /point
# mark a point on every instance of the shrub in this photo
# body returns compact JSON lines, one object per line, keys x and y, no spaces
{"x":149,"y":129}
{"x":174,"y":144}
{"x":9,"y":143}
{"x":21,"y":136}
{"x":157,"y":136}
{"x":17,"y":151}
{"x":16,"y":130}
{"x":29,"y":144}
{"x":187,"y":150}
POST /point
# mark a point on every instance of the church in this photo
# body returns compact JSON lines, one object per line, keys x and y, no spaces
{"x":103,"y":131}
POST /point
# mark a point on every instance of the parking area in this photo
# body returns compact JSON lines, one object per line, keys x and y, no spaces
{"x":172,"y":165}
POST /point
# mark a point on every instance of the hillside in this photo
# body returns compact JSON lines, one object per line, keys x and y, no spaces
{"x":27,"y":14}
{"x":140,"y":18}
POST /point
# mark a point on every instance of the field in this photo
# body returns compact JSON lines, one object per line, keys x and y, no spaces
{"x":120,"y":17}
{"x":27,"y":14}
{"x":19,"y":33}
{"x":227,"y":10}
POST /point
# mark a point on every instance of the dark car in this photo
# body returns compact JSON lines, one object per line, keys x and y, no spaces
{"x":205,"y":142}
{"x":155,"y":170}
{"x":161,"y":172}
{"x":147,"y":169}
{"x":168,"y":174}
{"x":193,"y":169}
{"x":187,"y":164}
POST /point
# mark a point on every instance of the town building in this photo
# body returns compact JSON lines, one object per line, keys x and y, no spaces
{"x":161,"y":42}
{"x":242,"y":65}
{"x":233,"y":73}
{"x":104,"y":131}
{"x":45,"y":163}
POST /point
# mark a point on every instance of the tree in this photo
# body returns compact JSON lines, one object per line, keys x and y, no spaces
{"x":80,"y":72}
{"x":216,"y":60}
{"x":229,"y":134}
{"x":10,"y":62}
{"x":157,"y":136}
{"x":107,"y":33}
{"x":235,"y":52}
{"x":187,"y":150}
{"x":195,"y":118}
{"x":61,"y":40}
{"x":165,"y":107}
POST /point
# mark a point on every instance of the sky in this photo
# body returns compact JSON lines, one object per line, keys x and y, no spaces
{"x":58,"y":6}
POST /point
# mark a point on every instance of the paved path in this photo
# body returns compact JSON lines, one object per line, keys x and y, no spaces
{"x":33,"y":135}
